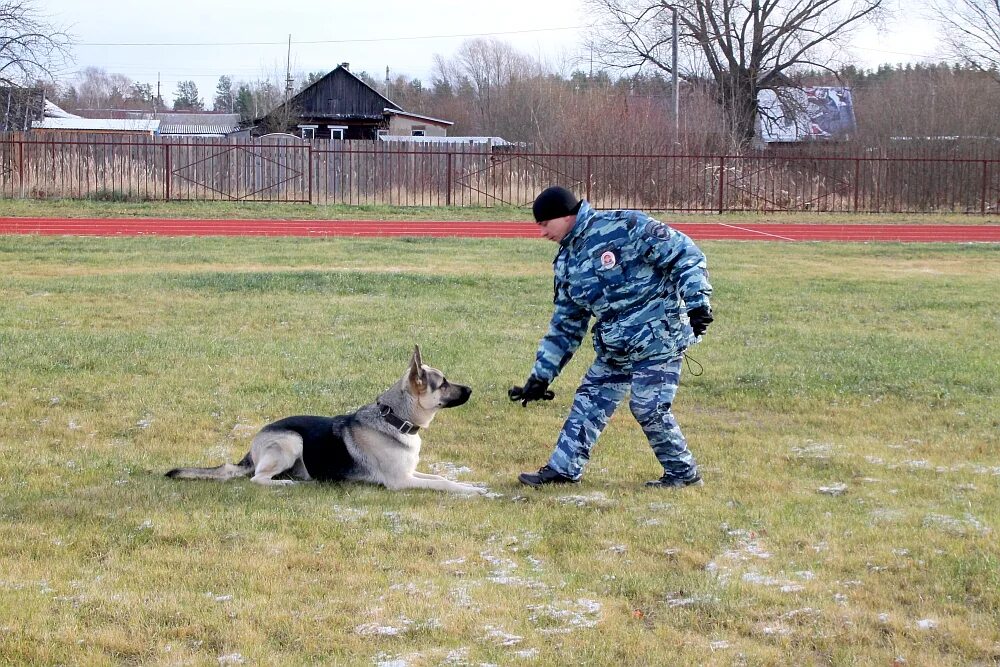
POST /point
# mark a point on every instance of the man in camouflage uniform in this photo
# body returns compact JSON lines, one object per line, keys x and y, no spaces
{"x":647,"y":285}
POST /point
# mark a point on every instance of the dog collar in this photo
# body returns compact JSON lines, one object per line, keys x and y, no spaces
{"x":404,"y":426}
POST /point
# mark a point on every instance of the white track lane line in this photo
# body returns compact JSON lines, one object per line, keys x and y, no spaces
{"x":755,"y":231}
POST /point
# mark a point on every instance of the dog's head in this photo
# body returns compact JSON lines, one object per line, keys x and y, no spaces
{"x":431,"y":389}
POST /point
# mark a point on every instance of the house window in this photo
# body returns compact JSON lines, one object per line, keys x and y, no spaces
{"x":308,"y":132}
{"x":337,"y":131}
{"x":382,"y":133}
{"x":416,"y":133}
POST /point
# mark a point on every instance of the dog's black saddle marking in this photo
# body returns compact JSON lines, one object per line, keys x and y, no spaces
{"x":323,"y":449}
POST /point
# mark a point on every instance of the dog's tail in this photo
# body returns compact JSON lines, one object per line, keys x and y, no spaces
{"x":221,"y":473}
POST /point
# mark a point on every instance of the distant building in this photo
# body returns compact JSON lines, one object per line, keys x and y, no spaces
{"x":813,"y":113}
{"x":495,"y":142}
{"x":342,"y":106}
{"x":406,"y":124}
{"x":57,"y":120}
{"x":178,"y":124}
{"x":120,"y":126}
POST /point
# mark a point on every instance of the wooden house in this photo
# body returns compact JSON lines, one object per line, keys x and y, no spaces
{"x":342,"y":106}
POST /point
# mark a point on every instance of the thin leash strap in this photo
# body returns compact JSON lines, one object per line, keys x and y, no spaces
{"x":689,"y":359}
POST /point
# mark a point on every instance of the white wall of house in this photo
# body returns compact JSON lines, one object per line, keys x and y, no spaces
{"x":401,"y":126}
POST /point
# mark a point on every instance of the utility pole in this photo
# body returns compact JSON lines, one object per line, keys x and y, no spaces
{"x":288,"y":70}
{"x":387,"y":82}
{"x":157,"y":100}
{"x":676,"y":91}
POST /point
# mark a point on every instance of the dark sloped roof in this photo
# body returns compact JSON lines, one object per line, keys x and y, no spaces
{"x":338,"y":95}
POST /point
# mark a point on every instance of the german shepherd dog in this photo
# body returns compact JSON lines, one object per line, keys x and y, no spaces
{"x":379,"y":443}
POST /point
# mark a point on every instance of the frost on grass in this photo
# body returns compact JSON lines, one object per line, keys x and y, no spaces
{"x":374,"y":629}
{"x":426,"y":589}
{"x":677,"y":600}
{"x":886,"y":515}
{"x":348,"y":514}
{"x":967,"y":525}
{"x":501,"y":637}
{"x":566,"y":616}
{"x":782,"y":584}
{"x":449,"y":470}
{"x":461,"y":596}
{"x":813,"y":450}
{"x":925,"y":465}
{"x":501,"y":556}
{"x":749,"y":548}
{"x":595,"y":499}
{"x":243,"y":431}
{"x":434,"y":656}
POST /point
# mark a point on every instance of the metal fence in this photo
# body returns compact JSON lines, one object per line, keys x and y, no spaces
{"x":409,"y":174}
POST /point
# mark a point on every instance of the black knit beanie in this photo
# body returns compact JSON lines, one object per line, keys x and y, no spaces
{"x":555,"y":202}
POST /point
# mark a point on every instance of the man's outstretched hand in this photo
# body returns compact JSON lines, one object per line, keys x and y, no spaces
{"x":533,"y":390}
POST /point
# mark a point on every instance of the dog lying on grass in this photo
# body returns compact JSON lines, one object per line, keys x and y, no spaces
{"x":379,"y":443}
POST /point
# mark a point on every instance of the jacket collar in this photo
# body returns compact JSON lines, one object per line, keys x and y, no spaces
{"x":583,"y":218}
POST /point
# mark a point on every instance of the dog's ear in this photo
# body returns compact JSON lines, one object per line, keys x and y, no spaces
{"x":418,"y":376}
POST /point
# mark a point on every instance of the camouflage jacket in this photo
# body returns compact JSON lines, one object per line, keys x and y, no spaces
{"x":637,"y":276}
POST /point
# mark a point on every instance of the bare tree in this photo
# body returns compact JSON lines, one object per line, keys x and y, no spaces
{"x":741,"y":46}
{"x":99,"y":89}
{"x":971,"y":31}
{"x":497,"y":75}
{"x":30,"y":47}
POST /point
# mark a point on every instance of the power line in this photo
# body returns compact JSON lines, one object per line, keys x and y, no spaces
{"x":334,"y":41}
{"x":894,"y":53}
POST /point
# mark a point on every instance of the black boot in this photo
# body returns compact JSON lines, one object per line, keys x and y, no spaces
{"x":668,"y":482}
{"x":545,"y":475}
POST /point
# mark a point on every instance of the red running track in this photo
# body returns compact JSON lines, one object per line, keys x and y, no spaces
{"x":705,"y":231}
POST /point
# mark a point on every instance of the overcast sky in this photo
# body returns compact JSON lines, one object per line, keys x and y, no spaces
{"x":248,"y":39}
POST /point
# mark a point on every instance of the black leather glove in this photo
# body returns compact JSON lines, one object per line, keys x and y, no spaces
{"x":533,"y":390}
{"x":700,"y":318}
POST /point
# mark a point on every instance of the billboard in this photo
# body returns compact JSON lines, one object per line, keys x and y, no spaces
{"x":812,"y":113}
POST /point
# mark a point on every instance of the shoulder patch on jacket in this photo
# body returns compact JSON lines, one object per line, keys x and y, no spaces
{"x":657,"y":229}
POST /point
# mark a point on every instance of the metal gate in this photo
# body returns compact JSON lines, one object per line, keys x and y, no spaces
{"x":271,"y":170}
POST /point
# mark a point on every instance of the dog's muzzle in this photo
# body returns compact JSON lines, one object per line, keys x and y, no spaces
{"x":463,"y":396}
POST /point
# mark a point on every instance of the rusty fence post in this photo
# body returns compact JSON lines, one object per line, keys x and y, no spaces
{"x":20,"y":165}
{"x":722,"y":183}
{"x":986,"y":186}
{"x":166,"y":149}
{"x":309,"y":157}
{"x":447,"y":193}
{"x":857,"y":182}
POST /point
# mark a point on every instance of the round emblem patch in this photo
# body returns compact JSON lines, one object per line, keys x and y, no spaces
{"x":608,"y":260}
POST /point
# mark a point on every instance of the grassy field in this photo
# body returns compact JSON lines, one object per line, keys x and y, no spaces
{"x":846,"y":424}
{"x":74,"y":208}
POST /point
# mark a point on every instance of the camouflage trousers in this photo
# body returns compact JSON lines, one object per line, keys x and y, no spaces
{"x":653,"y":385}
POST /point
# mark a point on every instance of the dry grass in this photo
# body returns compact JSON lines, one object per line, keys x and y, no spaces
{"x":846,"y":424}
{"x":70,"y":208}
